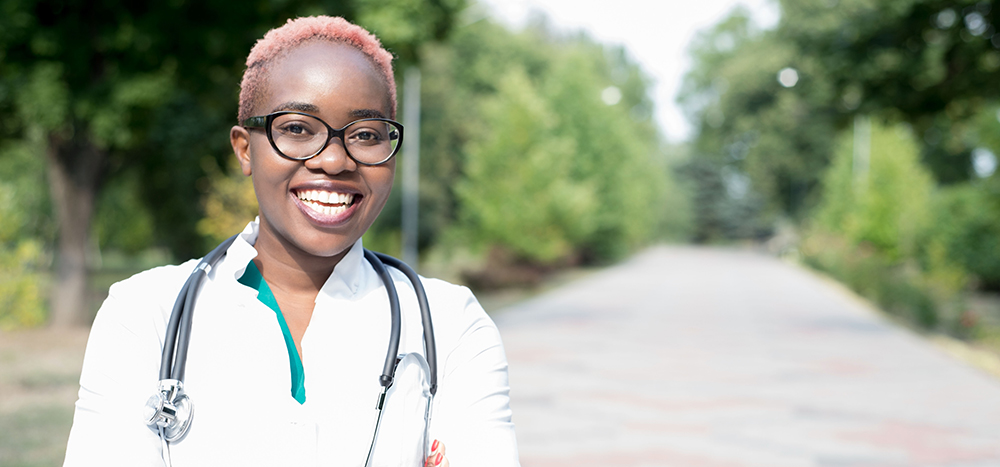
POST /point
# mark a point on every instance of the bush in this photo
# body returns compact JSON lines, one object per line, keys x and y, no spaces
{"x":883,"y":205}
{"x":898,"y":287}
{"x":229,"y":203}
{"x":968,"y":227}
{"x":873,"y":231}
{"x":22,"y":285}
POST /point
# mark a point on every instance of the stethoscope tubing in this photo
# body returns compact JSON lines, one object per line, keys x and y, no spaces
{"x":174,"y":357}
{"x":430,"y":346}
{"x":173,"y":364}
{"x":389,"y":367}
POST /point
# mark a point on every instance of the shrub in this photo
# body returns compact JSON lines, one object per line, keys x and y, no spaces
{"x":22,"y":285}
{"x":873,"y":230}
{"x":968,"y":227}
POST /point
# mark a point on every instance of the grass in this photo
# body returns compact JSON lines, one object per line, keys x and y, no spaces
{"x":39,"y":379}
{"x":35,"y":436}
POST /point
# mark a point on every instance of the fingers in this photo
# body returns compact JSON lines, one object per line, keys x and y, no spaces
{"x":437,"y":458}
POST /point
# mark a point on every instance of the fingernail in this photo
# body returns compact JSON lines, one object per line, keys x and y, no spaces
{"x":437,"y":460}
{"x":434,"y":445}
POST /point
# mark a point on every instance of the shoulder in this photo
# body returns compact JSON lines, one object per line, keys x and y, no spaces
{"x":451,"y":299}
{"x":145,"y":299}
{"x":457,"y":312}
{"x":151,"y":284}
{"x":445,"y":291}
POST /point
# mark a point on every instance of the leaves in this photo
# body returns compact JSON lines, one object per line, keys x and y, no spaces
{"x":517,"y":192}
{"x":551,"y":171}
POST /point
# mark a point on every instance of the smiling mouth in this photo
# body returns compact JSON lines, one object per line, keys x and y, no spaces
{"x":328,"y":203}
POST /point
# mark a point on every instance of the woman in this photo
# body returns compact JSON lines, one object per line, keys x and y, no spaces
{"x":290,"y":328}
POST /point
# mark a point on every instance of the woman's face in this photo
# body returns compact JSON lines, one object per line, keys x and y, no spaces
{"x":320,"y":206}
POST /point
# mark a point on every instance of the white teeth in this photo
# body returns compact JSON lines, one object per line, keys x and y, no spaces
{"x":332,"y":202}
{"x":326,"y":210}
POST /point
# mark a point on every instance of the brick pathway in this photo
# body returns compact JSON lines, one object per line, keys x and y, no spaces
{"x":708,"y":357}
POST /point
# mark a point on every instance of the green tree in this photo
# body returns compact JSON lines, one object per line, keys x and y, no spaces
{"x":882,"y":202}
{"x":872,"y":228}
{"x":516,"y":140}
{"x":929,"y":63}
{"x":22,"y":255}
{"x":934,"y":62}
{"x":112,"y":89}
{"x":517,"y":192}
{"x":969,"y":230}
{"x":590,"y":135}
{"x":751,"y":125}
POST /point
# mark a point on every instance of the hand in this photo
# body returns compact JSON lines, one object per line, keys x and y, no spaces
{"x":437,"y":459}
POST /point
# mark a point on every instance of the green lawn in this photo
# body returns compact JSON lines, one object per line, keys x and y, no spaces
{"x":35,"y":436}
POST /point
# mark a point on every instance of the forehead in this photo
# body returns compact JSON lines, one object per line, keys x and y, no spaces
{"x":336,"y":79}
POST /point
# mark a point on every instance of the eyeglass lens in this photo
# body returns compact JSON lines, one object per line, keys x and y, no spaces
{"x":301,"y":136}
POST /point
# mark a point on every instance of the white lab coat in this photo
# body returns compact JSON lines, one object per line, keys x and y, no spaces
{"x":238,"y":375}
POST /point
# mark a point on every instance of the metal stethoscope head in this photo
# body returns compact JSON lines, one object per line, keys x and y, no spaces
{"x":170,"y":410}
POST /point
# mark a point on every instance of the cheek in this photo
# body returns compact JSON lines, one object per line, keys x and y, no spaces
{"x":383,"y":180}
{"x":269,"y":172}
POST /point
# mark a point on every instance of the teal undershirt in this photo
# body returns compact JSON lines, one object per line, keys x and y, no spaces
{"x":252,"y":278}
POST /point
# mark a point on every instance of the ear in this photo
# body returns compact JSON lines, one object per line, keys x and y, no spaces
{"x":239,"y":137}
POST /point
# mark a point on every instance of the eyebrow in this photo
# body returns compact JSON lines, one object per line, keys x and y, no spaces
{"x":296,"y":106}
{"x":312,"y":109}
{"x":367,"y":113}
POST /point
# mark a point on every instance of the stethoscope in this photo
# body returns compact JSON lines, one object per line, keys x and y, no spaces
{"x":170,"y":410}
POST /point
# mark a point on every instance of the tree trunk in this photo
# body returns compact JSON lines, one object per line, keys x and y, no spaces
{"x":75,"y":166}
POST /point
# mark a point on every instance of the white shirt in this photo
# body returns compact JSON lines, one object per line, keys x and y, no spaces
{"x":238,"y":374}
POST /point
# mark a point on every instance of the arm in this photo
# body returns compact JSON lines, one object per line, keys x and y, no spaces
{"x":119,"y":373}
{"x":472,"y":408}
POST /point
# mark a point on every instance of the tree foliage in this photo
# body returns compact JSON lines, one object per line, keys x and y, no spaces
{"x":521,"y":154}
{"x":135,"y":96}
{"x":517,"y":190}
{"x":781,"y":108}
{"x":558,"y":153}
{"x":934,"y":62}
{"x":749,"y":125}
{"x":883,"y":202}
{"x":929,"y":63}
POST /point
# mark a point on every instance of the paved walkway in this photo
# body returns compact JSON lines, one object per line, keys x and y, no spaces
{"x":701,"y":357}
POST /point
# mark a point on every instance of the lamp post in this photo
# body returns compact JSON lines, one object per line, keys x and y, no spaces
{"x":411,"y":165}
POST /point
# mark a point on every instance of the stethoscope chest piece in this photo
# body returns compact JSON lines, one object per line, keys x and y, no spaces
{"x":169,"y":409}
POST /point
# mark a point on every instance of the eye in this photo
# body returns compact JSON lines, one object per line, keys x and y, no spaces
{"x":295,"y":128}
{"x":365,"y":136}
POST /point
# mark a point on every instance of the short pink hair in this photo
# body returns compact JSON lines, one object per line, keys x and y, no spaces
{"x":298,"y":31}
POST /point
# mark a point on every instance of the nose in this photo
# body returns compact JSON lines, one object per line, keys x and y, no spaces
{"x":333,"y":159}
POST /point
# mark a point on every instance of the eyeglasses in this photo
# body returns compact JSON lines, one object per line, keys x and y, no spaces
{"x":300,"y":136}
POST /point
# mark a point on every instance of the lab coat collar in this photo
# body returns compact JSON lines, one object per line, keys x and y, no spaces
{"x":349,"y":278}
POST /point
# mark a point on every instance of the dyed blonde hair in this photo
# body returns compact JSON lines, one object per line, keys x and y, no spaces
{"x":299,"y":31}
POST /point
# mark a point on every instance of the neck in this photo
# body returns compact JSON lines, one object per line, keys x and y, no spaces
{"x":290,"y":269}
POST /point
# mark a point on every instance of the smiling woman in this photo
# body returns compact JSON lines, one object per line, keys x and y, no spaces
{"x":291,"y":323}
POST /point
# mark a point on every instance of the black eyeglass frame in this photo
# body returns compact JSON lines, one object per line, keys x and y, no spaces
{"x":265,"y":121}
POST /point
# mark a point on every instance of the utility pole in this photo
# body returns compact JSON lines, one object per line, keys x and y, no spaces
{"x":862,"y":151}
{"x":411,"y":164}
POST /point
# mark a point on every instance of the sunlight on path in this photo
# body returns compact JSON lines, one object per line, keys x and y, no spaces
{"x":702,"y":357}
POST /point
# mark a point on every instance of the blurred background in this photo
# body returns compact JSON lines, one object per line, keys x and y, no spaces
{"x":857,"y":137}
